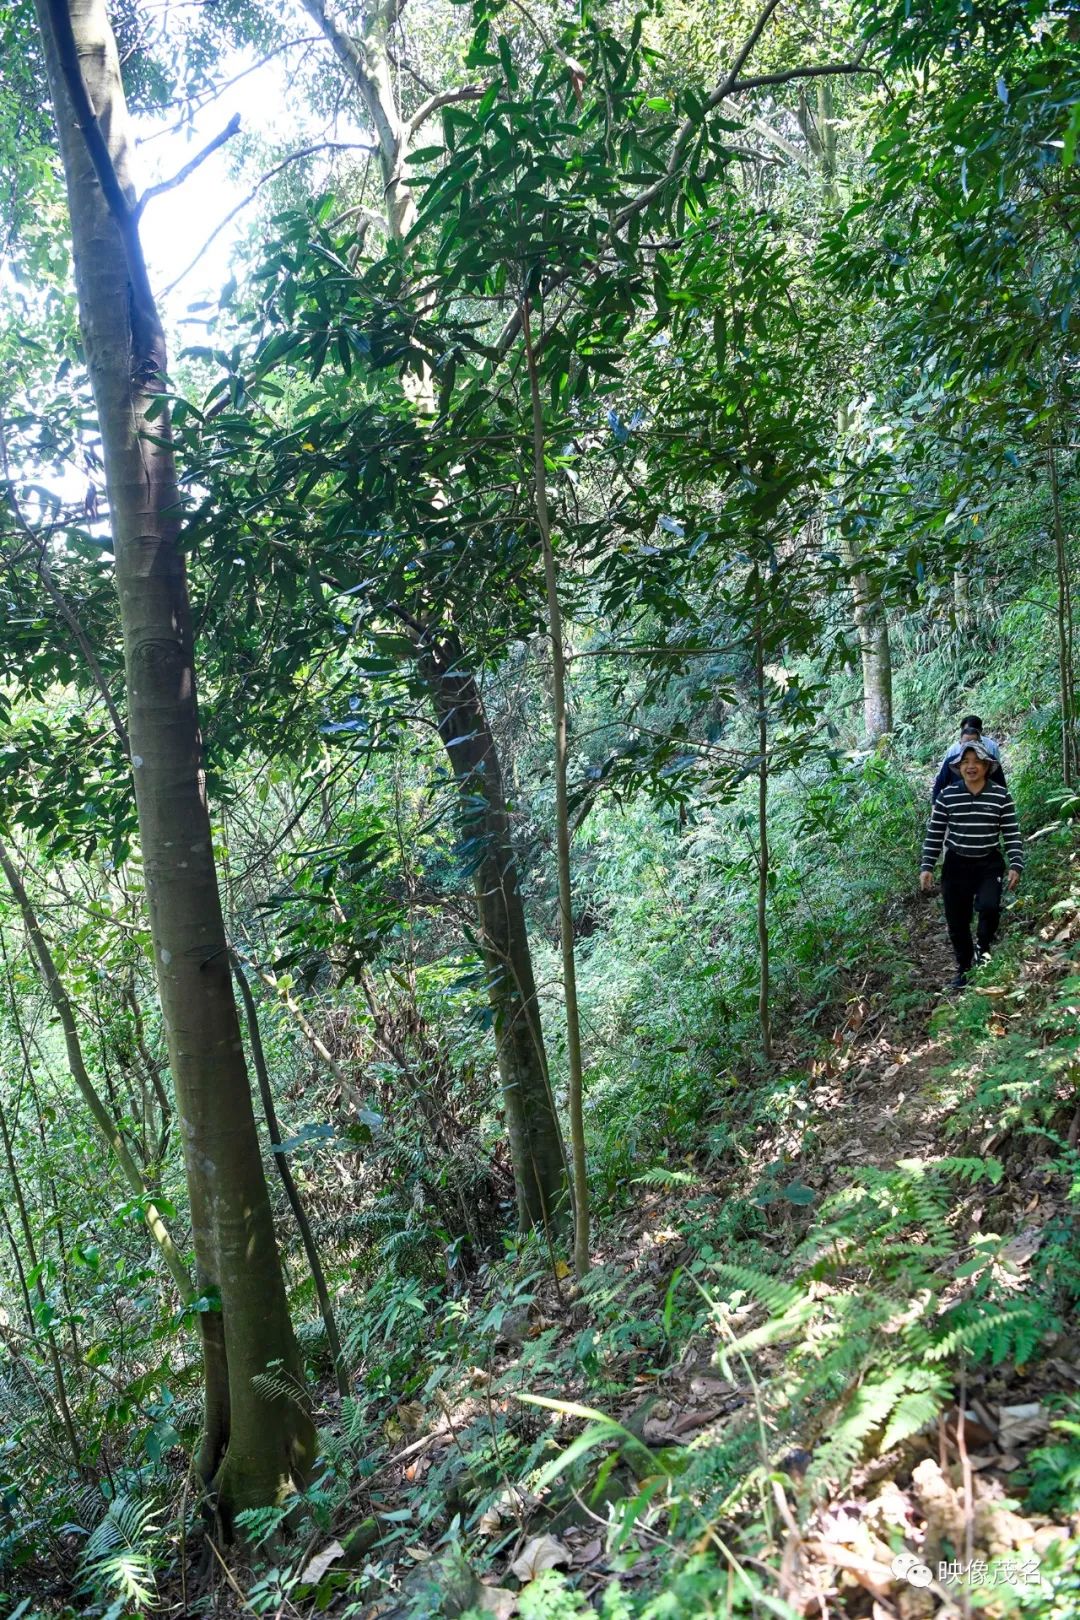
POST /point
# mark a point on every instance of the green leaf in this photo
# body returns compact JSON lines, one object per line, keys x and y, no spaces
{"x":1072,"y":136}
{"x":797,"y":1192}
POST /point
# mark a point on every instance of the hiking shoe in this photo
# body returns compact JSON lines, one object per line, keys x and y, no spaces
{"x":958,"y":981}
{"x":981,"y":958}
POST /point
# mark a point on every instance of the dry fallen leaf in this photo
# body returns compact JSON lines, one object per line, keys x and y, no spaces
{"x":703,"y":1386}
{"x":1016,"y":1424}
{"x":1020,"y":1249}
{"x":590,"y":1551}
{"x":497,"y":1600}
{"x":538,"y":1554}
{"x":317,"y":1567}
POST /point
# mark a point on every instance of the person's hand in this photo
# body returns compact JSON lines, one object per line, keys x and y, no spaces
{"x":1013,"y":878}
{"x":926,"y":881}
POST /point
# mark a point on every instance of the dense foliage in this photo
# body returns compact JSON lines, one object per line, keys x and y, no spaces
{"x":599,"y":492}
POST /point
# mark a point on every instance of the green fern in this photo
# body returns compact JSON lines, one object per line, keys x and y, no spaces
{"x":864,"y":1414}
{"x":260,"y":1524}
{"x":1009,"y":1333}
{"x":660,"y":1176}
{"x":972,"y":1170}
{"x":118,"y":1560}
{"x":278,"y":1384}
{"x":869,"y":1317}
{"x":772,"y":1292}
{"x":917,"y":1408}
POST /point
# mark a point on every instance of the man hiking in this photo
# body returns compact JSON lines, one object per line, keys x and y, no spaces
{"x":971,"y":730}
{"x":970,"y":820}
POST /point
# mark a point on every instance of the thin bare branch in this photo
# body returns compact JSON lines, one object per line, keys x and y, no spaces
{"x":264,"y":179}
{"x":215,"y":92}
{"x":781,"y":142}
{"x":189,"y":168}
{"x":826,"y":70}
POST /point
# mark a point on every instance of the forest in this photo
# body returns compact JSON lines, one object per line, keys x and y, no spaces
{"x":505,"y":506}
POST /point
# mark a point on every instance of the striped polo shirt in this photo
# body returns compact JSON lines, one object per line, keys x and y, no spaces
{"x":971,"y":824}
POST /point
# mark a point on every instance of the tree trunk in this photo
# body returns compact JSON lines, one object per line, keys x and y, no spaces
{"x":366,"y":61}
{"x":962,"y":612}
{"x":871,"y":629}
{"x":871,"y":624}
{"x":562,"y":813}
{"x":536,"y":1148}
{"x":1064,"y":625}
{"x":257,"y":1443}
{"x":763,"y":852}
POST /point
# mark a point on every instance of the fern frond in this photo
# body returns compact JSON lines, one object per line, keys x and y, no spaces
{"x":772,"y":1292}
{"x":259,"y":1524}
{"x":1010,"y":1332}
{"x":866,"y":1411}
{"x":775,"y":1329}
{"x":278,"y":1384}
{"x":970,"y":1170}
{"x":917,"y":1408}
{"x":659,"y":1176}
{"x":119,"y":1555}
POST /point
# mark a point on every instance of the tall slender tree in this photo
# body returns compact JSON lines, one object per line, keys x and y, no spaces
{"x":257,"y":1441}
{"x":446,"y":668}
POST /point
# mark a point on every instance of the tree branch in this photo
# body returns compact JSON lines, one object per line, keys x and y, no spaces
{"x":214,"y":94}
{"x":294,"y":157}
{"x":682,"y":140}
{"x":148,"y":341}
{"x":469,"y":92}
{"x":189,"y":168}
{"x":827,"y":70}
{"x":348,"y":52}
{"x":781,"y":142}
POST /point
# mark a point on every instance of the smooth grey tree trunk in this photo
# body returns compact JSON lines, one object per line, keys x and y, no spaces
{"x":257,"y":1443}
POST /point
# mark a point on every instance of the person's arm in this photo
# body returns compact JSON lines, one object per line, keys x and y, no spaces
{"x":998,"y":775}
{"x":1014,"y":843}
{"x":933,"y":842}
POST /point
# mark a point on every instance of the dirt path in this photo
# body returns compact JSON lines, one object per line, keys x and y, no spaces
{"x":884,"y":1097}
{"x":878,"y":1100}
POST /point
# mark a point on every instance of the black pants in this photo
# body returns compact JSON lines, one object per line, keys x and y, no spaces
{"x":968,"y":885}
